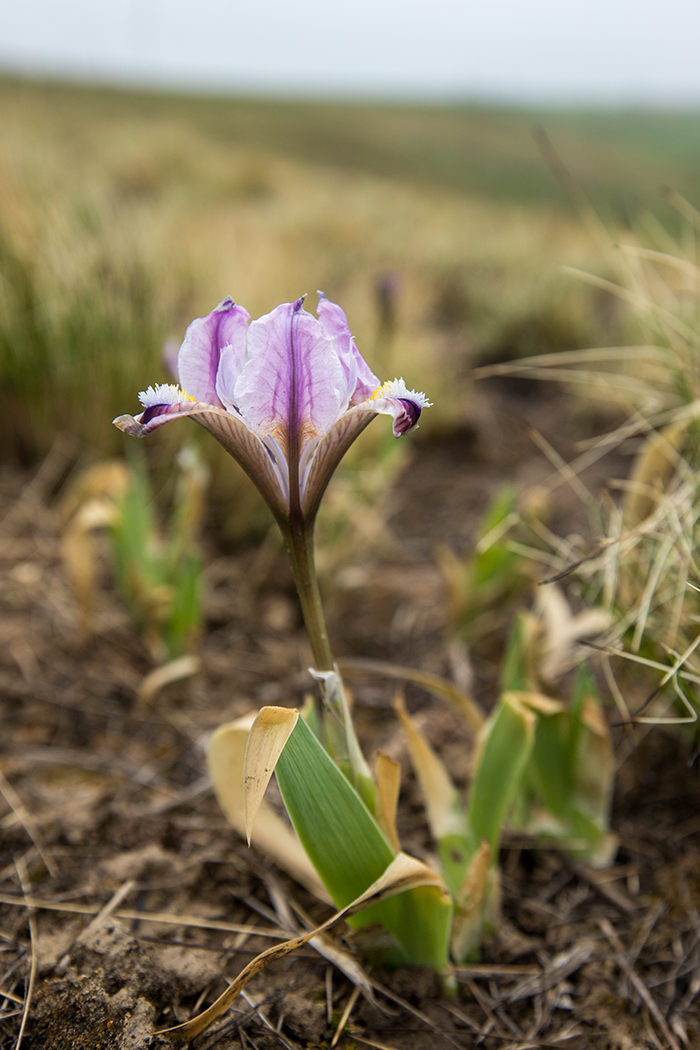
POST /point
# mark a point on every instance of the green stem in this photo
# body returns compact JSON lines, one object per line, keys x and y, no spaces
{"x":335,"y":722}
{"x":299,"y":539}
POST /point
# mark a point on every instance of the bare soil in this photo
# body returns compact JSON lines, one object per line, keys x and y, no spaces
{"x":127,"y":902}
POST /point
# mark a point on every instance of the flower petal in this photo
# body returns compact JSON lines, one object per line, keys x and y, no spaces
{"x":361,"y":380}
{"x":156,"y":413}
{"x":292,"y":386}
{"x":329,"y":452}
{"x":200,"y":354}
{"x":257,"y":460}
{"x":395,"y":399}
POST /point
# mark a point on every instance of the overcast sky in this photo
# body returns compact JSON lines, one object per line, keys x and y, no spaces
{"x":608,"y":51}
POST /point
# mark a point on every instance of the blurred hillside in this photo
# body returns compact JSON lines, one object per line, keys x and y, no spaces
{"x":616,"y":155}
{"x":440,"y":230}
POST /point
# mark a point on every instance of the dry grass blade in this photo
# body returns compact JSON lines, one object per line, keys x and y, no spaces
{"x":672,"y":675}
{"x":266,"y":1023}
{"x":324,"y":944}
{"x":561,"y":966}
{"x":372,"y":1042}
{"x":440,"y":687}
{"x":565,"y":472}
{"x":24,"y":817}
{"x":638,"y":983}
{"x":640,"y":301}
{"x":29,"y":988}
{"x":133,"y":915}
{"x":414,"y":1011}
{"x":344,"y":961}
{"x":345,"y":1016}
{"x":403,"y":873}
{"x":603,"y":354}
{"x":268,"y":735}
{"x":110,"y":907}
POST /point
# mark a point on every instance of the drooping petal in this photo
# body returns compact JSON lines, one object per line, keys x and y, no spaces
{"x":395,"y":399}
{"x":361,"y":380}
{"x":160,"y":403}
{"x":257,"y":460}
{"x":328,"y":454}
{"x":154,"y":416}
{"x":292,"y":384}
{"x":200,"y":354}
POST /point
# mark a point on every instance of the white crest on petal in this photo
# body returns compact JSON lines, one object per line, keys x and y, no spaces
{"x":397,"y":388}
{"x":163,"y":394}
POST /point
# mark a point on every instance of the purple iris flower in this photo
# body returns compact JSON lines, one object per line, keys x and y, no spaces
{"x":286,"y":395}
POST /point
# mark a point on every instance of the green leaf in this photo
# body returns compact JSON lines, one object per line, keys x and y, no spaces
{"x":501,"y":760}
{"x":517,"y":669}
{"x":349,"y":851}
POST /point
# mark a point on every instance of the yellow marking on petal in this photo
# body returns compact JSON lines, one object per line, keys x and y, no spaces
{"x":379,"y":392}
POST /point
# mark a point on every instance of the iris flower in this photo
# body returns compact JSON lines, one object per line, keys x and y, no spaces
{"x":286,"y":395}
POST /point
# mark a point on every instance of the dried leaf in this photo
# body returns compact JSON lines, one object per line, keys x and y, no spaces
{"x":540,"y":703}
{"x":652,"y":471}
{"x":80,"y":556}
{"x":467,"y":926}
{"x":562,"y":630}
{"x":404,"y":873}
{"x":442,"y":801}
{"x":268,"y":735}
{"x":388,"y":775}
{"x":173,"y":671}
{"x":225,"y":758}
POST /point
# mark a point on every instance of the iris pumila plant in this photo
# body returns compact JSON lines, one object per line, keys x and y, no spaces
{"x":287,"y":395}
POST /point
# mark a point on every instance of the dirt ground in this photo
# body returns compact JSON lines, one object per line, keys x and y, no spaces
{"x":127,"y":902}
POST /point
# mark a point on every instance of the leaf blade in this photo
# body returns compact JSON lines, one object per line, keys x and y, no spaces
{"x":268,"y":735}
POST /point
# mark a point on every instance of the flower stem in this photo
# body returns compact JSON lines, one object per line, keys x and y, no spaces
{"x":334,"y":719}
{"x":299,"y":539}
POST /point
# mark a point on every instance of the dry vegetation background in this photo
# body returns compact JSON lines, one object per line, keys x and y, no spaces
{"x":442,"y":234}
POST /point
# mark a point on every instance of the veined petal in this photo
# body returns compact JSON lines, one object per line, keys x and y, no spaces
{"x":285,"y":396}
{"x":328,"y":454}
{"x":361,"y":380}
{"x":292,"y":385}
{"x":395,"y":399}
{"x":258,"y":461}
{"x":200,"y":354}
{"x":160,"y":402}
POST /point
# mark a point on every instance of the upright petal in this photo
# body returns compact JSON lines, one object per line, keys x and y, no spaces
{"x":292,"y":385}
{"x":361,"y":380}
{"x":230,"y":365}
{"x":200,"y":354}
